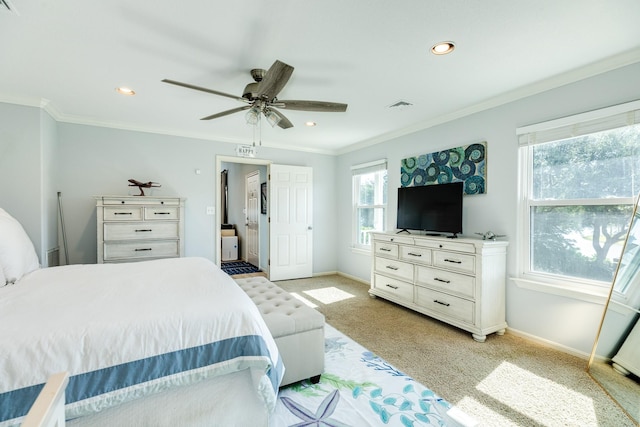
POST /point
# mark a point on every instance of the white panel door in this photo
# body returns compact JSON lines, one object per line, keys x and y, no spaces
{"x":252,"y":223}
{"x":291,"y":225}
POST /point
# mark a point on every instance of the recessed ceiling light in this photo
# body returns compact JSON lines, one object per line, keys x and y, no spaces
{"x":125,"y":91}
{"x":310,"y":124}
{"x":442,"y":48}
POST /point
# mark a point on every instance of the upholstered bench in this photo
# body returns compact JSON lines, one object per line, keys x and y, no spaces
{"x":297,"y":329}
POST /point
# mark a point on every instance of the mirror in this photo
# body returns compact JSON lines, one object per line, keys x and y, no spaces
{"x":615,"y":359}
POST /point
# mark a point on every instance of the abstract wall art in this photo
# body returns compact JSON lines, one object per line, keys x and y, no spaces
{"x":467,"y":164}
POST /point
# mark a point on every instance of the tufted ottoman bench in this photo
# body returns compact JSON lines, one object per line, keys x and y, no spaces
{"x":297,"y":329}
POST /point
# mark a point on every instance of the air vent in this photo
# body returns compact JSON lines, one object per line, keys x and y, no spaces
{"x":7,"y":7}
{"x":400,"y":105}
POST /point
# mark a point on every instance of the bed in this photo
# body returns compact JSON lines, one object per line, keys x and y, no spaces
{"x":163,"y":342}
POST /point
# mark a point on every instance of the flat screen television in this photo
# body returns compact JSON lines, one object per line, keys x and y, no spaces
{"x":434,"y":209}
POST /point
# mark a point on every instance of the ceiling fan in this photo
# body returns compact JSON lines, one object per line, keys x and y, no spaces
{"x":260,"y":97}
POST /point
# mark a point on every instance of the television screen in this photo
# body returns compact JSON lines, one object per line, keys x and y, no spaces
{"x":431,"y":208}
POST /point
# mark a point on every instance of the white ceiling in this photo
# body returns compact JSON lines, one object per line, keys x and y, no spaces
{"x":70,"y":56}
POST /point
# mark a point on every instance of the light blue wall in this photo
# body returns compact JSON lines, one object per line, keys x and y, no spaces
{"x":97,"y":161}
{"x":28,"y":141}
{"x":569,"y":322}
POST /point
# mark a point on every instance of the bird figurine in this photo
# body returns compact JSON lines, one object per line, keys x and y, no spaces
{"x":141,"y":185}
{"x":490,"y":235}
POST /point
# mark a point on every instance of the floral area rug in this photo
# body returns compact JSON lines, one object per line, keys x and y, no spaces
{"x":360,"y":389}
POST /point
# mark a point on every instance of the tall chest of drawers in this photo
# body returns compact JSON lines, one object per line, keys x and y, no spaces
{"x":138,"y":228}
{"x":458,"y":281}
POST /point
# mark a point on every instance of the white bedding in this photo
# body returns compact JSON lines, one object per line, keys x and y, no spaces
{"x":125,"y":330}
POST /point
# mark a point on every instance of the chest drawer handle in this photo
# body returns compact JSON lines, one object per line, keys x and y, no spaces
{"x":385,"y":250}
{"x":391,"y":267}
{"x":446,"y":304}
{"x":442,"y":280}
{"x":391,"y":286}
{"x":455,"y":261}
{"x":142,"y":249}
{"x":123,"y":213}
{"x":412,"y":254}
{"x":162,"y":213}
{"x":144,"y":230}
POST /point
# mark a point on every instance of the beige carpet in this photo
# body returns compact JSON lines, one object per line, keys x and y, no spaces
{"x":506,"y":381}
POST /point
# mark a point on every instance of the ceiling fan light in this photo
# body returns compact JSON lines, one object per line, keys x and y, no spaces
{"x":252,"y":116}
{"x":272,"y":118}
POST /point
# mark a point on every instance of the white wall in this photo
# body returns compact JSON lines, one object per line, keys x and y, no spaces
{"x":565,"y":321}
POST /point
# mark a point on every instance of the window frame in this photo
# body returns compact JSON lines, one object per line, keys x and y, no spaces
{"x":356,"y":171}
{"x":556,"y":130}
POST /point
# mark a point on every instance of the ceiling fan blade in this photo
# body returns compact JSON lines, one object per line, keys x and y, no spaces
{"x":226,"y":113}
{"x":204,"y":89}
{"x":284,"y":123}
{"x":311,"y":106}
{"x":274,"y":80}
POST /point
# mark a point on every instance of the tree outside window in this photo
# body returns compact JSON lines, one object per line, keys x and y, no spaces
{"x":580,"y":201}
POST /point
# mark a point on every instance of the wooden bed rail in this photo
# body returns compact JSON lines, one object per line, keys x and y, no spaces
{"x":48,"y":409}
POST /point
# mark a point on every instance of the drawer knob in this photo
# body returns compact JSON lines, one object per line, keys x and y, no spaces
{"x":441,"y":280}
{"x":392,"y":267}
{"x":142,"y":249}
{"x":413,"y":254}
{"x":446,"y":304}
{"x":146,"y":230}
{"x":385,"y":249}
{"x":454,"y":261}
{"x":162,"y":213}
{"x":123,"y":213}
{"x":391,"y":286}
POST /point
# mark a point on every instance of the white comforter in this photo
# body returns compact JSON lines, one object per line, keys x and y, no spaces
{"x":124,"y":330}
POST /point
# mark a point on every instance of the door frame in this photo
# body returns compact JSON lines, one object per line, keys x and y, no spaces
{"x":218,"y":220}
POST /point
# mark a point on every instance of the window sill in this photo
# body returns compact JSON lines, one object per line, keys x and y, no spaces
{"x":361,"y":251}
{"x":592,"y":295}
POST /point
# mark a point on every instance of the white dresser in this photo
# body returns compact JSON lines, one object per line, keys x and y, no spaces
{"x":458,"y":281}
{"x":137,"y":228}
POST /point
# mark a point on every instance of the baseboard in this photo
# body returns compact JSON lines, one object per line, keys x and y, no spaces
{"x":548,"y":343}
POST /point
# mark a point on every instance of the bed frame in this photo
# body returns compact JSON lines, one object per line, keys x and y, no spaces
{"x":48,"y":409}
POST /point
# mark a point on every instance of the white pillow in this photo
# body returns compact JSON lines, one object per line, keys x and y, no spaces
{"x":17,"y":254}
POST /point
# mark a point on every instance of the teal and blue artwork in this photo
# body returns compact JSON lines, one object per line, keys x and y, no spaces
{"x":467,"y":164}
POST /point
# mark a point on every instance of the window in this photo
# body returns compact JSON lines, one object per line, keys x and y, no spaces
{"x":369,"y":201}
{"x":579,"y":179}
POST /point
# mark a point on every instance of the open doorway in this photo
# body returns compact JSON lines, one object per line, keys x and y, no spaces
{"x":241,"y":227}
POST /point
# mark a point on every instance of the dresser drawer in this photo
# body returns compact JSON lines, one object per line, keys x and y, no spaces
{"x":448,"y":305}
{"x":141,"y":230}
{"x":446,"y":280}
{"x":136,"y":200}
{"x":124,"y":213}
{"x":399,"y":269}
{"x":447,"y":245}
{"x":385,"y":249}
{"x":160,"y":213}
{"x":394,"y":287}
{"x":141,"y":250}
{"x":415,"y":254}
{"x":452,"y":261}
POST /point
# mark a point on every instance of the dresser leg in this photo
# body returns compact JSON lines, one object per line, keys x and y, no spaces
{"x":500,"y":332}
{"x":479,"y":338}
